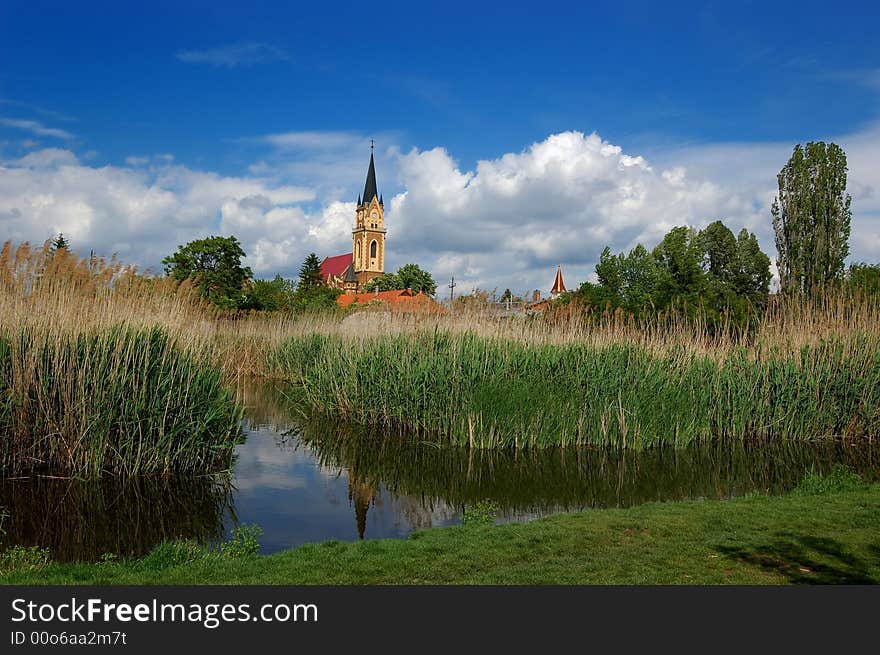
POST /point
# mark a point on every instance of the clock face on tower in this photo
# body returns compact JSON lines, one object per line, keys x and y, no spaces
{"x":374,"y":215}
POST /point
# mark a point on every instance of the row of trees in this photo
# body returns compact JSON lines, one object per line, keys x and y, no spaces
{"x":711,"y":271}
{"x":409,"y":276}
{"x":215,"y":267}
{"x":714,"y":272}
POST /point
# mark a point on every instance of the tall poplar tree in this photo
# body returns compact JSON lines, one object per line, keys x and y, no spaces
{"x":811,"y":217}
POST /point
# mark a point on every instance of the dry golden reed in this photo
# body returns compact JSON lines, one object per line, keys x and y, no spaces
{"x":104,"y":370}
{"x":58,"y":299}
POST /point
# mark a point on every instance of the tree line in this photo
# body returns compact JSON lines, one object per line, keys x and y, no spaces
{"x":710,"y":272}
{"x":714,"y":274}
{"x":215,"y":267}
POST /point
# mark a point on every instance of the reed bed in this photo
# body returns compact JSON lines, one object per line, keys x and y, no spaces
{"x":102,"y":370}
{"x":465,"y":389}
{"x":107,"y":368}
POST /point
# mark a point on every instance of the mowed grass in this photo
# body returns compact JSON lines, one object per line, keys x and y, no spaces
{"x":483,"y":392}
{"x":806,"y":537}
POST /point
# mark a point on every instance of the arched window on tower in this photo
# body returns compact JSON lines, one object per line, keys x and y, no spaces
{"x":373,"y":248}
{"x":357,"y":255}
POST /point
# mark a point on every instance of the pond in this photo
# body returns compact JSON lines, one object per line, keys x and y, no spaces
{"x":305,"y":482}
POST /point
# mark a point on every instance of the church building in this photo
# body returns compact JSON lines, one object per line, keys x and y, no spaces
{"x":351,"y":271}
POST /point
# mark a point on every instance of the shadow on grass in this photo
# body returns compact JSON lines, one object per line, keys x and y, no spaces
{"x":804,"y":559}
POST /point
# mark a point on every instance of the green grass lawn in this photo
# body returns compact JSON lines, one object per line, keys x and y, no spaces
{"x":821,"y":537}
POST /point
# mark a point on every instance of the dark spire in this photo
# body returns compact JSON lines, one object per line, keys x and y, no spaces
{"x":359,"y":200}
{"x":349,"y":274}
{"x":381,"y":201}
{"x":370,"y":191}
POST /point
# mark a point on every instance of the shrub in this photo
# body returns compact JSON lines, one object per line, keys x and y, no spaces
{"x":481,"y":513}
{"x":244,"y":542}
{"x":840,"y":478}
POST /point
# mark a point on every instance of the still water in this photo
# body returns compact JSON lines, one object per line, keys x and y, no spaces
{"x":303,"y":482}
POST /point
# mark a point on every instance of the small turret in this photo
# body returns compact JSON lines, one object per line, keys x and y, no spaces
{"x":558,"y":284}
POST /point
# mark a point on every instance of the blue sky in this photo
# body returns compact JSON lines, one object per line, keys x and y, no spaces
{"x":270,"y":107}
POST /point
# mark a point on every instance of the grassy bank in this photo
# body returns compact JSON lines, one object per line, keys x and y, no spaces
{"x":484,"y":392}
{"x":820,"y":534}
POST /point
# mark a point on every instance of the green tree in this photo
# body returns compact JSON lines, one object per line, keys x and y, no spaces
{"x":270,"y":295}
{"x":59,"y":243}
{"x":409,"y":276}
{"x":413,"y":277}
{"x":735,"y":267}
{"x":315,"y":299}
{"x":311,"y":294}
{"x":811,"y":218}
{"x":384,"y":282}
{"x":752,"y":276}
{"x":679,"y":266}
{"x":214,"y":266}
{"x":507,"y":295}
{"x":310,"y":272}
{"x":609,"y":272}
{"x":708,"y":273}
{"x":625,"y":280}
{"x":720,"y":252}
{"x":864,"y":278}
{"x":639,"y":279}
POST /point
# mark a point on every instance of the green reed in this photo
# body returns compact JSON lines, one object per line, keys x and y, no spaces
{"x":464,"y":389}
{"x":121,"y":400}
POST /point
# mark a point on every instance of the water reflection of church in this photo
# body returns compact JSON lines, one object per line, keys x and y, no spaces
{"x":362,"y":495}
{"x":417,"y":512}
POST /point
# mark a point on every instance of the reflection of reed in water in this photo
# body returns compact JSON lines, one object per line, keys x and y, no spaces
{"x":265,"y":405}
{"x":426,"y":482}
{"x":82,"y":520}
{"x":546,"y":479}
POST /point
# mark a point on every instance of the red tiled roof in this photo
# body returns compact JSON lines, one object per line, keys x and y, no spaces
{"x":335,"y":265}
{"x":402,"y":299}
{"x":391,"y":297}
{"x":539,"y":306}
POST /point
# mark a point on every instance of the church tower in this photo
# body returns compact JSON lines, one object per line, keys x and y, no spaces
{"x":368,"y":235}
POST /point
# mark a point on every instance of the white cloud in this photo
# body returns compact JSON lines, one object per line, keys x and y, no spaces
{"x":512,"y":219}
{"x":144,"y":214}
{"x":506,"y":223}
{"x":751,"y":169}
{"x":134,"y":160}
{"x":560,"y":201}
{"x":312,"y":140}
{"x":334,"y":163}
{"x":35,"y":127}
{"x":46,"y":157}
{"x":236,"y":54}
